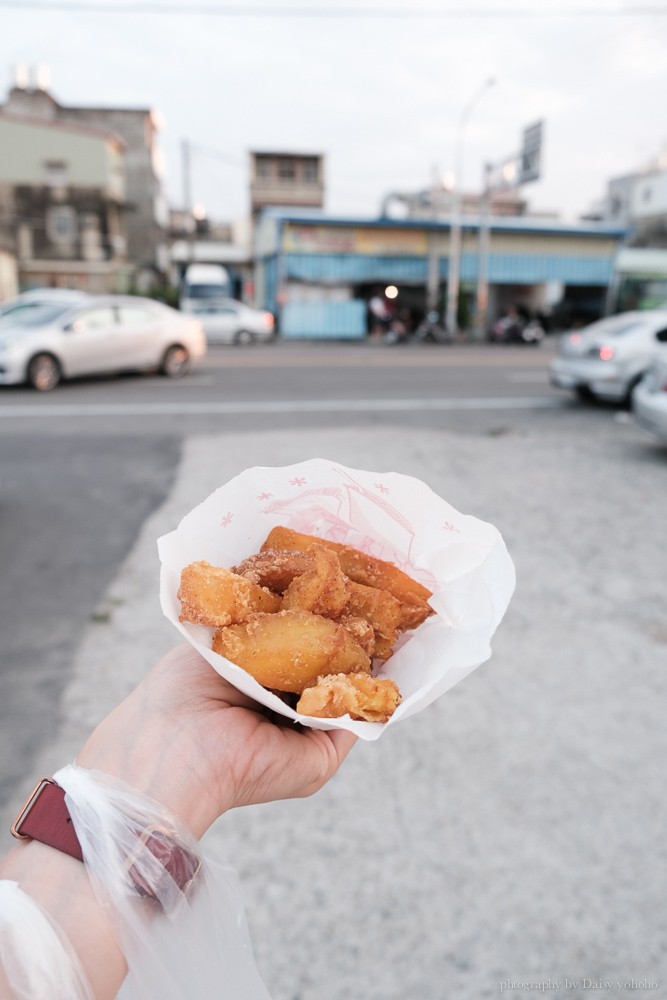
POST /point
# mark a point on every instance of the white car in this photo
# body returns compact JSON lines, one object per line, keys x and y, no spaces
{"x":649,"y":400}
{"x":44,"y":342}
{"x":607,"y":359}
{"x":231,"y":322}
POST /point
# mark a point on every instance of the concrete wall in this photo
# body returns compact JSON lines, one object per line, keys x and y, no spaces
{"x":27,"y":148}
{"x":9,"y":285}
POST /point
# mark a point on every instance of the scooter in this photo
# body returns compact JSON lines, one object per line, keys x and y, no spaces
{"x":431,"y":329}
{"x":512,"y":330}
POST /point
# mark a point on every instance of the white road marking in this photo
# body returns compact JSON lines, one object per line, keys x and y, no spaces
{"x":528,"y":377}
{"x":163,"y":383}
{"x":138,"y":409}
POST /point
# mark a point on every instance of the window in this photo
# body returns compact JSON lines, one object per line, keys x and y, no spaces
{"x":286,"y":170}
{"x":61,"y":224}
{"x":94,"y":319}
{"x":310,"y":171}
{"x":56,"y":173}
{"x":263,"y":167}
{"x":137,"y":316}
{"x":33,"y":314}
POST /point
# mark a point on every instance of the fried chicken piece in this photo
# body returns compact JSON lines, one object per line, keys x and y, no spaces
{"x":358,"y":695}
{"x":290,"y":649}
{"x":323,"y":589}
{"x":275,"y":568}
{"x":212,"y":595}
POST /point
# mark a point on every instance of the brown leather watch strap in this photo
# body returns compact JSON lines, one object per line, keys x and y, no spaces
{"x":45,"y":817}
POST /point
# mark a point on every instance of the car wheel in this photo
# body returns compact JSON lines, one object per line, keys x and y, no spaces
{"x":244,"y":337}
{"x":627,"y":400}
{"x":176,"y":361}
{"x":44,"y":372}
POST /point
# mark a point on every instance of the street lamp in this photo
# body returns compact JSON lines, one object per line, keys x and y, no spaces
{"x":454,"y":269}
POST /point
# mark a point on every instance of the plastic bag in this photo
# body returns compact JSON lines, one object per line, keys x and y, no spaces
{"x":194,"y":945}
{"x":38,"y":961}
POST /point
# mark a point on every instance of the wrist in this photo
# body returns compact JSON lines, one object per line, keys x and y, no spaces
{"x":156,"y":771}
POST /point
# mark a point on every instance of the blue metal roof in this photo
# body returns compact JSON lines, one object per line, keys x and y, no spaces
{"x":509,"y":224}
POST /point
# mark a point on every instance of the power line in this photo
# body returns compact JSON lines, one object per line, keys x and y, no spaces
{"x":534,"y":12}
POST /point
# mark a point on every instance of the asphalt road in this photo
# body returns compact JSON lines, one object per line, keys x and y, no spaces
{"x":289,"y":384}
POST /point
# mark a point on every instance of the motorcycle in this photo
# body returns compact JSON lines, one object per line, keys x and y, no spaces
{"x":514,"y":330}
{"x":431,"y":329}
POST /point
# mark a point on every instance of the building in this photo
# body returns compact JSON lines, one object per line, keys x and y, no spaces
{"x":62,"y":201}
{"x":203,"y":241}
{"x":638,"y":201}
{"x":286,"y":179}
{"x":146,"y":207}
{"x":430,"y":204}
{"x":319,"y":272}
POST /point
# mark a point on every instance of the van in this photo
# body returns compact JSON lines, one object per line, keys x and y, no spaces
{"x":204,"y":286}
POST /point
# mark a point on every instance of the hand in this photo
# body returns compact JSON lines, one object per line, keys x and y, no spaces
{"x":190,"y":740}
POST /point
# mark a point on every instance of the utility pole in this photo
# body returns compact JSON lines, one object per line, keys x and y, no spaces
{"x":482,"y":303}
{"x":433,"y":273}
{"x":186,"y":161}
{"x":454,"y":267}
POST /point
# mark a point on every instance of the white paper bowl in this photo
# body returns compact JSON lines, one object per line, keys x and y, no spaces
{"x":463,"y":560}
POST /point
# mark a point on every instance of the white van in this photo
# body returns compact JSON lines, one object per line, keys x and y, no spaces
{"x":204,"y":286}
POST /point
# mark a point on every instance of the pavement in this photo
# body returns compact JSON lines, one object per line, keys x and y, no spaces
{"x":510,"y":835}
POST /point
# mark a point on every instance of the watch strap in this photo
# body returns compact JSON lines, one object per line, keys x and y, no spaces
{"x":45,"y":817}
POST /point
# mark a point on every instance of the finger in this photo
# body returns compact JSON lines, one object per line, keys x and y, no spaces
{"x":343,"y":741}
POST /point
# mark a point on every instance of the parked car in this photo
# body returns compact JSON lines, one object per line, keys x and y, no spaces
{"x":607,"y":359}
{"x":649,"y":399}
{"x":232,"y":322}
{"x":45,"y":342}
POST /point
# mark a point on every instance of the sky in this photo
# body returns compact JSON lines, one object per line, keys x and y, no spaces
{"x":381,"y":96}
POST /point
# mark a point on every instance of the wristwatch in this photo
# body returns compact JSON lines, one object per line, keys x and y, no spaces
{"x":45,"y":818}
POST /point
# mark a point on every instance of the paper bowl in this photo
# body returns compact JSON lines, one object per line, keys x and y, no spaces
{"x":461,"y":559}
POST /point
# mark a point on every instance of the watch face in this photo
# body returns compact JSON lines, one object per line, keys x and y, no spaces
{"x":161,"y":868}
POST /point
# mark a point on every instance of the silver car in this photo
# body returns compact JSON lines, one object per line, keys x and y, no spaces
{"x":231,"y":322}
{"x":649,"y":400}
{"x":608,"y":358}
{"x":44,"y":342}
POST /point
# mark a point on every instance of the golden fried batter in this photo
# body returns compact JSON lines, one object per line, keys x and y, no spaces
{"x":211,"y":595}
{"x":361,"y":631}
{"x":290,"y":649}
{"x":358,"y":695}
{"x":323,"y":589}
{"x":275,"y":568}
{"x":364,"y":569}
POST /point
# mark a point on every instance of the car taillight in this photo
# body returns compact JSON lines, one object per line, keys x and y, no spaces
{"x":268,"y":319}
{"x":606,"y":353}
